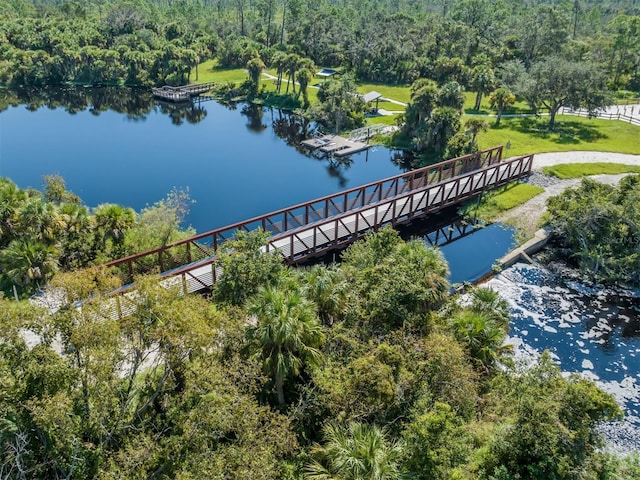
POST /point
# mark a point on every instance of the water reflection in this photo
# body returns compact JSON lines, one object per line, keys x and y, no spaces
{"x":135,"y":103}
{"x":254,"y":115}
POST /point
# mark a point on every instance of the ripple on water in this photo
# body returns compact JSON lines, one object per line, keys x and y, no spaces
{"x":588,"y":329}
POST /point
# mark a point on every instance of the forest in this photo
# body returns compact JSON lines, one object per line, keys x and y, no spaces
{"x":364,"y":369}
{"x":368,"y":368}
{"x":542,"y":54}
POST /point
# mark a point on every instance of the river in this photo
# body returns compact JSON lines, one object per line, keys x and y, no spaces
{"x":119,"y":146}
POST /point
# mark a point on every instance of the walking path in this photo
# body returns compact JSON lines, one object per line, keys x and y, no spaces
{"x":527,"y":216}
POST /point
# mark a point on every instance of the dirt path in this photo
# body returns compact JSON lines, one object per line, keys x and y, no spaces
{"x":527,"y":216}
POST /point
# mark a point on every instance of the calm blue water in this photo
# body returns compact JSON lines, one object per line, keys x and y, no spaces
{"x":235,"y":166}
{"x":471,"y":257}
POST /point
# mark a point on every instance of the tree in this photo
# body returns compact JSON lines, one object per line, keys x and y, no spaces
{"x":551,"y":434}
{"x":340,"y":106}
{"x":325,"y":286}
{"x":305,"y":76}
{"x":600,"y":225}
{"x":246,"y":267}
{"x":287,"y":334}
{"x":500,"y":99}
{"x":482,"y":81}
{"x":357,"y":452}
{"x":255,"y":66}
{"x":624,"y":55}
{"x":394,"y":282}
{"x":451,"y":95}
{"x":474,"y":126}
{"x":114,"y":221}
{"x":28,"y":263}
{"x":556,"y":82}
{"x":437,"y":440}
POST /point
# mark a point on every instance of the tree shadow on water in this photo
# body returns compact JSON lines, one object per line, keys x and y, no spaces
{"x":564,"y":132}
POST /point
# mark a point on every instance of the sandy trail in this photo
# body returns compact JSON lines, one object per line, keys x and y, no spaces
{"x":527,"y":216}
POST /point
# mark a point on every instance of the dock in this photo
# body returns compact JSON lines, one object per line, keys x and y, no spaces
{"x":182,"y":93}
{"x":335,"y":145}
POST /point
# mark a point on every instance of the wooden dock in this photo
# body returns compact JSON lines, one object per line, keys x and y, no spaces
{"x":335,"y":145}
{"x":182,"y":93}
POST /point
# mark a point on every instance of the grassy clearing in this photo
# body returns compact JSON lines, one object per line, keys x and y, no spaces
{"x":209,"y":71}
{"x":495,"y":203}
{"x":577,"y":170}
{"x":530,"y":135}
{"x":520,"y":106}
{"x":401,"y":93}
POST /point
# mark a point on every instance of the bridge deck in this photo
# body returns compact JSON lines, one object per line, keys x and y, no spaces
{"x":314,"y":238}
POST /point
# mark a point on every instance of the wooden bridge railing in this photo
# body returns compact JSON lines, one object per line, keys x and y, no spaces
{"x":344,"y":229}
{"x":204,"y":245}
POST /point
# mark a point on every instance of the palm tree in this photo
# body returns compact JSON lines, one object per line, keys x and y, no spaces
{"x":11,"y":199}
{"x":475,"y":126}
{"x":114,"y":220}
{"x":483,"y":81}
{"x":255,"y":66}
{"x":279,"y":62}
{"x":305,"y":76}
{"x":483,"y":336}
{"x":287,"y":333}
{"x":423,"y":97}
{"x":451,"y":95}
{"x":41,"y":219}
{"x":327,"y":289}
{"x":357,"y":452}
{"x":293,"y":63}
{"x":500,"y":99}
{"x":28,"y":263}
{"x":489,"y":302}
{"x":443,"y":124}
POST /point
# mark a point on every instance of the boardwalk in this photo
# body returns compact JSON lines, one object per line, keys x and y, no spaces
{"x":181,"y":94}
{"x":335,"y":145}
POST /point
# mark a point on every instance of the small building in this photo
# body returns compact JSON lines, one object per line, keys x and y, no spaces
{"x":371,"y":96}
{"x":326,"y":73}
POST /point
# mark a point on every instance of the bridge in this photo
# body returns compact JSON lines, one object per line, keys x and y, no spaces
{"x":331,"y":222}
{"x":183,"y":93}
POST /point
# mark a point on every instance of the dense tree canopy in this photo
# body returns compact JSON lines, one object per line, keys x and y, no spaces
{"x":600,"y":224}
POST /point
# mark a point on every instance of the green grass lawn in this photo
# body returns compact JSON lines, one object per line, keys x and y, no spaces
{"x":401,"y":93}
{"x":210,"y":72}
{"x":577,"y":170}
{"x":530,"y":135}
{"x":499,"y":201}
{"x":520,"y":106}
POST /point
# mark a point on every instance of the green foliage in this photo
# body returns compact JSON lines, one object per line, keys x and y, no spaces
{"x":394,"y":282}
{"x":551,"y":434}
{"x":357,"y":451}
{"x":339,"y":108}
{"x":287,"y":334}
{"x":437,"y":440}
{"x":247,"y":268}
{"x":601,"y":226}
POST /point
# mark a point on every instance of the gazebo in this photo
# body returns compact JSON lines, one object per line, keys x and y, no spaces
{"x":371,"y":96}
{"x":327,"y":73}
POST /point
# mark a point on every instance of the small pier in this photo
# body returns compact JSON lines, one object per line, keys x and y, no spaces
{"x":335,"y":145}
{"x":182,"y":93}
